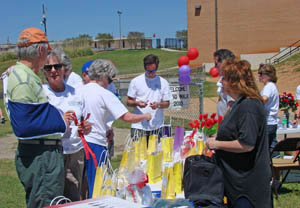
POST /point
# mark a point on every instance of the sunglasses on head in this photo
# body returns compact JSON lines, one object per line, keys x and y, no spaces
{"x":151,"y":71}
{"x":49,"y":67}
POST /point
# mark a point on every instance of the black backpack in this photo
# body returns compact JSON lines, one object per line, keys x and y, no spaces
{"x":203,"y":181}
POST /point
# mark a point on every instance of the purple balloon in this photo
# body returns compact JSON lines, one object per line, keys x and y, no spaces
{"x":184,"y":70}
{"x":185,"y":80}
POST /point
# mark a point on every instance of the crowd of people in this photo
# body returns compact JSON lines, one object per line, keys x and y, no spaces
{"x":50,"y":158}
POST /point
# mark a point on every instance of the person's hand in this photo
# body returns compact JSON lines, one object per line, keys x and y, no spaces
{"x":154,"y":105}
{"x":141,"y":104}
{"x":148,"y":116}
{"x":85,"y":127}
{"x":211,"y":143}
{"x":68,"y":117}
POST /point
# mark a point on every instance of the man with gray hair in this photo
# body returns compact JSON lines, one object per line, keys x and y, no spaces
{"x":37,"y":124}
{"x":102,"y":104}
{"x":225,"y":100}
{"x":71,"y":78}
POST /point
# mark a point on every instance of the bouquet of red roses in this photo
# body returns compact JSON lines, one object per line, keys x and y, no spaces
{"x":208,"y":125}
{"x":286,"y":102}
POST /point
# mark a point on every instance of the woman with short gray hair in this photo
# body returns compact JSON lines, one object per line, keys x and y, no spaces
{"x":102,"y":104}
{"x":70,"y":77}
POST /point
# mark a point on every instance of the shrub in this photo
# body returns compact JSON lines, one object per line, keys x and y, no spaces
{"x":7,"y":56}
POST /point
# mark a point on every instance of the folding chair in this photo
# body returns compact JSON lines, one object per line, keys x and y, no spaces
{"x":279,"y":164}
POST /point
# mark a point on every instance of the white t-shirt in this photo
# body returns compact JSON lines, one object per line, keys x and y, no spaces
{"x":298,"y":93}
{"x":69,"y":99}
{"x":101,"y":104}
{"x":149,"y":90}
{"x":74,"y":80}
{"x":222,"y":104}
{"x":272,"y":106}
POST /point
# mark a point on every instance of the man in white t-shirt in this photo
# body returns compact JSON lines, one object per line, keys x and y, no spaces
{"x":225,"y":100}
{"x":102,"y":104}
{"x":71,"y":78}
{"x":149,"y":93}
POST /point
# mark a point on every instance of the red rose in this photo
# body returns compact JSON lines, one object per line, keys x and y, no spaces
{"x":196,"y":124}
{"x":213,"y":115}
{"x":191,"y":124}
{"x":202,"y":124}
{"x":220,"y":119}
{"x":200,"y":117}
{"x":205,"y":116}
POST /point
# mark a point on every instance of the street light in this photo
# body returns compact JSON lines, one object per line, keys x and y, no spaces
{"x":119,"y":13}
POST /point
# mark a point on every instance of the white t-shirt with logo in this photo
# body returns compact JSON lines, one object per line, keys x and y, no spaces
{"x":298,"y":93}
{"x":69,"y":99}
{"x":102,"y":105}
{"x":74,"y":80}
{"x":149,"y":90}
{"x":272,"y":106}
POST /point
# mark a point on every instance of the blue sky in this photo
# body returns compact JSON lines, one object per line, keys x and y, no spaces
{"x":67,"y":18}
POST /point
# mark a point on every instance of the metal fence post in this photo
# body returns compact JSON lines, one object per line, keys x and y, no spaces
{"x":201,"y":97}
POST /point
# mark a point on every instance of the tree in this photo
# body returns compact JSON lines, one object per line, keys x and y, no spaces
{"x":82,"y":41}
{"x":182,"y":35}
{"x":105,"y":39}
{"x":134,"y":38}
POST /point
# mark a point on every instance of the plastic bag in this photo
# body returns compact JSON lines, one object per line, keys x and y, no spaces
{"x":152,"y":145}
{"x":100,"y":171}
{"x":178,"y":177}
{"x":167,"y":148}
{"x":167,"y":190}
{"x":154,"y":167}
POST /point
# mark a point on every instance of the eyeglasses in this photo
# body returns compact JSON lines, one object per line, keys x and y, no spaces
{"x":49,"y":67}
{"x":150,"y":71}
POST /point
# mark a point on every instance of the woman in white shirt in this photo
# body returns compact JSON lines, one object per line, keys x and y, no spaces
{"x":67,"y":98}
{"x":267,"y":75}
{"x":102,"y":106}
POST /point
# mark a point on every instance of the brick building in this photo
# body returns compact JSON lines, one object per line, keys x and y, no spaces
{"x":245,"y":27}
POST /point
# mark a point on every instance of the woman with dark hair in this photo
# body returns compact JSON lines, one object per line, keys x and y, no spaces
{"x":241,"y":145}
{"x":267,"y":76}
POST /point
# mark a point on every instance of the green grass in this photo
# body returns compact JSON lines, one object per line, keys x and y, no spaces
{"x":129,"y":61}
{"x":12,"y":193}
{"x":4,"y":128}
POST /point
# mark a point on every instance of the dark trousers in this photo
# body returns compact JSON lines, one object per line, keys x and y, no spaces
{"x":271,"y":130}
{"x":41,"y":171}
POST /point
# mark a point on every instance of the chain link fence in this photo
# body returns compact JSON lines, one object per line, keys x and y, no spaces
{"x":177,"y":117}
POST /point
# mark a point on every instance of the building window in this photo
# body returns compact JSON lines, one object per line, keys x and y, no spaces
{"x":197,"y":10}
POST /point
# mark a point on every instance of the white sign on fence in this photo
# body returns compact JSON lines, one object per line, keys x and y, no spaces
{"x":180,"y":96}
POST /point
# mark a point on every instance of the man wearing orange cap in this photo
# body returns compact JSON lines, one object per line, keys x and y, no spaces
{"x":37,"y":124}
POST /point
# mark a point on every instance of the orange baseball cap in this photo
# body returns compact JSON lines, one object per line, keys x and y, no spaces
{"x":33,"y":35}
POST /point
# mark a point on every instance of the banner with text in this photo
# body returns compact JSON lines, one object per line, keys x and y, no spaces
{"x":180,"y":97}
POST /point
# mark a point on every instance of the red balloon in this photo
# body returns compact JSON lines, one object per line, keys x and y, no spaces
{"x":214,"y":72}
{"x":183,"y":60}
{"x":192,"y":53}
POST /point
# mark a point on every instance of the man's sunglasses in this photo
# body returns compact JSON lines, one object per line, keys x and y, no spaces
{"x":49,"y":67}
{"x":150,"y":71}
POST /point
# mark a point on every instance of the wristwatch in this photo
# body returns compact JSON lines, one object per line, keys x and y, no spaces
{"x":159,"y":106}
